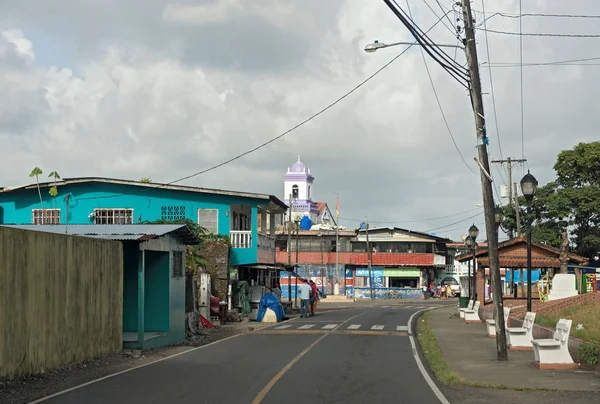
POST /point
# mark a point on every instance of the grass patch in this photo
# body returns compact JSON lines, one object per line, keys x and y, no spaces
{"x":438,"y":365}
{"x":586,"y":314}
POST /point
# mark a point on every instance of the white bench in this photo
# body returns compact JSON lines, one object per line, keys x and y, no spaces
{"x":461,"y":310}
{"x":472,"y":316}
{"x":491,"y":324}
{"x":519,"y":338}
{"x":553,"y":353}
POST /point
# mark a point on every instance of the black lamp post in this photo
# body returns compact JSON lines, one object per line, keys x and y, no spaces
{"x":469,"y":245}
{"x":498,"y":217}
{"x":473,"y":233}
{"x":528,"y":187}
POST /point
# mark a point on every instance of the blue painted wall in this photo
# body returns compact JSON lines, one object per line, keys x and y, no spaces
{"x":16,"y":206}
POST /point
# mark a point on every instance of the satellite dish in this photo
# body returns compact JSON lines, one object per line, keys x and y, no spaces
{"x":463,"y":237}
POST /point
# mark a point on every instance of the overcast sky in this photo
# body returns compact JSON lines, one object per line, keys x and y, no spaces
{"x":151,"y":88}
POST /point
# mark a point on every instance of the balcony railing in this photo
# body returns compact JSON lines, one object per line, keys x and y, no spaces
{"x":457,"y":269}
{"x":266,"y":242}
{"x":241,"y":238}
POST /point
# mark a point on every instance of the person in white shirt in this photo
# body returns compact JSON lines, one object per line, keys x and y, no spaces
{"x":305,"y":291}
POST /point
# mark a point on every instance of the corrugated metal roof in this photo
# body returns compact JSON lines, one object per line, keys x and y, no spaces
{"x":66,"y":181}
{"x":119,"y":232}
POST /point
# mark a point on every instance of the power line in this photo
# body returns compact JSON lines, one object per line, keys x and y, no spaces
{"x":310,"y":118}
{"x":541,"y":34}
{"x":521,"y":69}
{"x":487,"y":47}
{"x":453,"y":32}
{"x":556,"y":62}
{"x":452,"y":224}
{"x":416,"y":221}
{"x":437,"y":98}
{"x":508,"y":15}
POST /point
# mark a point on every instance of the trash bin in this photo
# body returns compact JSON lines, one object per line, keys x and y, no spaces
{"x":463,"y":301}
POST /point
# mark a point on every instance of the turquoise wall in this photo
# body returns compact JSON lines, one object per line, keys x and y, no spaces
{"x":130,"y":286}
{"x":157,"y":292}
{"x":145,"y":202}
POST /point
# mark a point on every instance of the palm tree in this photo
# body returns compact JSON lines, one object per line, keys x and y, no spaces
{"x":36,"y":172}
{"x":54,"y":190}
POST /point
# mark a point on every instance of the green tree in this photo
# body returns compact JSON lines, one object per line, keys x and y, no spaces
{"x":36,"y":172}
{"x":572,"y":202}
{"x":146,"y":179}
{"x":54,"y":190}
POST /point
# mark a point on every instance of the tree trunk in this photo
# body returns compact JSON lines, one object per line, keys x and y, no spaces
{"x":41,"y":200}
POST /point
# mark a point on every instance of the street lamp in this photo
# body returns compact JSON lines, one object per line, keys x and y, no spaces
{"x":372,"y":47}
{"x":473,"y":233}
{"x":498,"y":216}
{"x":528,"y":187}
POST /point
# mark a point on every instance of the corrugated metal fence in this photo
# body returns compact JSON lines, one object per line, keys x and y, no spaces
{"x":61,"y":300}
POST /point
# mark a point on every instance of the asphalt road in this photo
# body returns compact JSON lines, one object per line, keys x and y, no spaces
{"x":349,"y":356}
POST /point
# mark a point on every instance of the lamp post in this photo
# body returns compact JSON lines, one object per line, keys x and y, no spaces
{"x":498,"y":219}
{"x":469,"y":245}
{"x":473,"y":233}
{"x":528,"y":187}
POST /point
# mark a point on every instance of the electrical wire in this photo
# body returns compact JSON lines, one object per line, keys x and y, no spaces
{"x":452,"y":224}
{"x":521,"y":69}
{"x":453,"y":32}
{"x":556,"y":62}
{"x":415,"y":221}
{"x":457,"y":72}
{"x":437,"y":98}
{"x":260,"y":146}
{"x":487,"y":48}
{"x":541,"y":34}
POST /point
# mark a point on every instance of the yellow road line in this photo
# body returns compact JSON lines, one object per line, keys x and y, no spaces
{"x":263,"y":393}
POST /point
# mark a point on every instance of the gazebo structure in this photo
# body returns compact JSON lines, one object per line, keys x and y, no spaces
{"x":513,"y":256}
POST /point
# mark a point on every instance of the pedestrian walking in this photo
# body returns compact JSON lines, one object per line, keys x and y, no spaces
{"x":305,"y":292}
{"x":314,"y":297}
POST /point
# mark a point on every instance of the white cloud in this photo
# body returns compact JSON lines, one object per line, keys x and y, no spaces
{"x":165,"y":89}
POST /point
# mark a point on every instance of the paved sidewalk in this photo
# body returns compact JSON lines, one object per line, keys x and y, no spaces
{"x":472,"y":355}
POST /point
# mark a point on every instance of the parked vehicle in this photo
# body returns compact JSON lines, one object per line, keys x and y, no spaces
{"x":453,"y":284}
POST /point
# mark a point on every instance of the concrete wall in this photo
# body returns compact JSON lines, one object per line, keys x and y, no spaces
{"x":61,"y":300}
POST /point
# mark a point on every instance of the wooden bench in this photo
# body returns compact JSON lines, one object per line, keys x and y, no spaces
{"x":461,"y":310}
{"x":491,"y":324}
{"x":519,"y":338}
{"x":553,"y":353}
{"x":472,"y":316}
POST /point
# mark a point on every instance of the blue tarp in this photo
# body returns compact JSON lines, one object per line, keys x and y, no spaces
{"x":270,"y":301}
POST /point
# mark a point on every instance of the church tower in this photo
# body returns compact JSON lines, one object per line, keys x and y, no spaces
{"x":298,"y":182}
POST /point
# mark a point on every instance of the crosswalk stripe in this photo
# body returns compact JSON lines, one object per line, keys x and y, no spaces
{"x":402,"y":328}
{"x":329,"y":326}
{"x":306,"y":327}
{"x":377,"y":327}
{"x":407,"y":307}
{"x":386,"y":307}
{"x":354,"y":327}
{"x":283,"y":327}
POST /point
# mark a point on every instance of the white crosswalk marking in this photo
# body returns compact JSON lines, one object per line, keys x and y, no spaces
{"x":306,"y":327}
{"x":386,"y":307}
{"x":283,"y":327}
{"x":377,"y":327}
{"x":402,"y":328}
{"x":354,"y":327}
{"x":407,"y":307}
{"x":329,"y":326}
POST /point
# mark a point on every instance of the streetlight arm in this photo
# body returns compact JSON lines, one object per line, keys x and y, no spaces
{"x":372,"y":47}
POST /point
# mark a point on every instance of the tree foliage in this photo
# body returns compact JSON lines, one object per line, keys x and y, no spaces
{"x":571,"y":202}
{"x":194,"y":257}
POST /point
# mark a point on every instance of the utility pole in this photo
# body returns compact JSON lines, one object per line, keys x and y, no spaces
{"x":289,"y":248}
{"x":486,"y":185}
{"x":369,"y":257}
{"x":509,"y":162}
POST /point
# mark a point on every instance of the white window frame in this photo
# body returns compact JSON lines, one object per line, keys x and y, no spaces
{"x":127,"y":211}
{"x":216,"y":220}
{"x":52,"y":216}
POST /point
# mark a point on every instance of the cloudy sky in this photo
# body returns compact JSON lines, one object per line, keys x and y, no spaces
{"x":152,"y":88}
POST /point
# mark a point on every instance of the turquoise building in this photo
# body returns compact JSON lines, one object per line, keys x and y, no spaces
{"x":249,"y":219}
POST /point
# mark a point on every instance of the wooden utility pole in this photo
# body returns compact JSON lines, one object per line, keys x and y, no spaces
{"x":509,"y":162}
{"x":486,"y":185}
{"x":369,"y":257}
